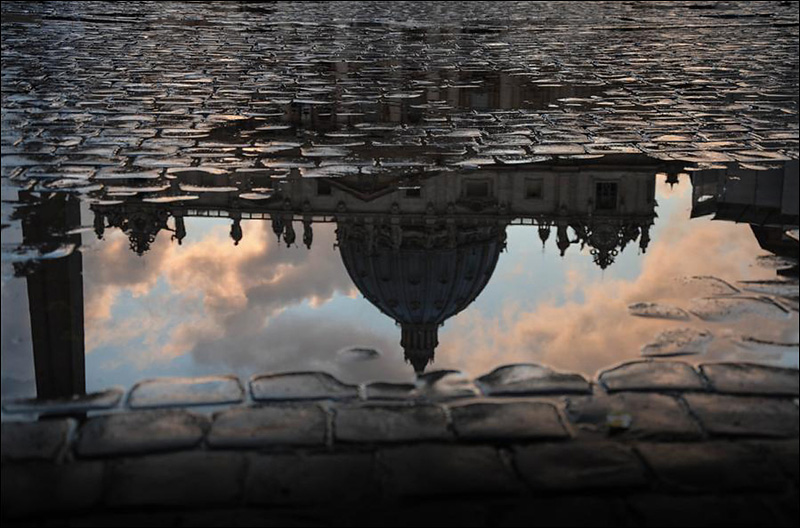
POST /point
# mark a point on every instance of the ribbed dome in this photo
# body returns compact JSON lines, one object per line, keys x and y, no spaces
{"x":420,"y":276}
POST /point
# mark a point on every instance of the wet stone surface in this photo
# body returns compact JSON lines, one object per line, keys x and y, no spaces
{"x":712,"y":466}
{"x":271,"y":425}
{"x":530,"y":379}
{"x":431,"y":470}
{"x":651,"y":376}
{"x":390,"y":423}
{"x":744,"y":416}
{"x":301,"y":386}
{"x":162,"y":480}
{"x":140,"y":432}
{"x":751,"y":379}
{"x":507,"y":421}
{"x":301,"y":479}
{"x":35,"y":440}
{"x":171,"y":392}
{"x":575,"y":466}
{"x":106,"y":399}
{"x":633,"y":414}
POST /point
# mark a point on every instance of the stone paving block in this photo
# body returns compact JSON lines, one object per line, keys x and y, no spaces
{"x":301,"y":386}
{"x":270,"y":425}
{"x":390,"y":391}
{"x":106,"y":399}
{"x":652,"y":376}
{"x":507,"y":421}
{"x":176,"y":479}
{"x":702,"y":510}
{"x":445,"y":385}
{"x":579,"y":465}
{"x":42,"y":440}
{"x":568,"y":511}
{"x":430,"y":470}
{"x":311,"y":479}
{"x":390,"y":423}
{"x":744,"y":378}
{"x":783,"y":453}
{"x":712,"y":466}
{"x":140,"y":432}
{"x":37,"y":488}
{"x":744,"y":416}
{"x":528,"y":379}
{"x":633,"y":414}
{"x":173,"y":392}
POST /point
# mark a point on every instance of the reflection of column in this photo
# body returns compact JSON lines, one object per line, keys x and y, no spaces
{"x":55,"y":299}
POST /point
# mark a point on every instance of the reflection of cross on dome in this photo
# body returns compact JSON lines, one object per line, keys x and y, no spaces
{"x":420,"y":275}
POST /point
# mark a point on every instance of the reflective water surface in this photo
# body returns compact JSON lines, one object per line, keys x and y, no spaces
{"x":377,"y":208}
{"x":574,"y":263}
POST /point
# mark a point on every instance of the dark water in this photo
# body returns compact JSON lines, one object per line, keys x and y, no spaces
{"x":372,"y":198}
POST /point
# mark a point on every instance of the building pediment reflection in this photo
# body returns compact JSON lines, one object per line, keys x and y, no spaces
{"x":421,"y":248}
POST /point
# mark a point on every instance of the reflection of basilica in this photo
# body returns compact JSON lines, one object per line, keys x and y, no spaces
{"x":422,"y":249}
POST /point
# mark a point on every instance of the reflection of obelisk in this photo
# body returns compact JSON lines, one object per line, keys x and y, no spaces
{"x":420,"y":275}
{"x":55,"y":299}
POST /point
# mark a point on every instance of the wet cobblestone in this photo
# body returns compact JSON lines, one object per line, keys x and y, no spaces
{"x":291,"y":454}
{"x":139,"y":90}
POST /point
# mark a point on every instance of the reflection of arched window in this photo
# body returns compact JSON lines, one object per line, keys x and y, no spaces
{"x":606,"y":195}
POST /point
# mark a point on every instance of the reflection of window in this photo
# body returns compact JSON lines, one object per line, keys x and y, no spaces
{"x":606,"y":195}
{"x":476,"y":189}
{"x":534,"y":188}
{"x":323,"y":187}
{"x":413,"y":192}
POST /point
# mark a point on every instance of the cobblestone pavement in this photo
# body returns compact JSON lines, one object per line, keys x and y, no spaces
{"x":646,"y":443}
{"x":136,"y":91}
{"x":326,"y":89}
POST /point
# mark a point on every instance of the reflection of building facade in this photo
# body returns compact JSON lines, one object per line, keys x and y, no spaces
{"x":55,"y":295}
{"x":765,"y":199}
{"x":421,"y":249}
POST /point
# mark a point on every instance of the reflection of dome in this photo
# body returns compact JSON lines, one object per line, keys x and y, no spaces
{"x":421,"y":275}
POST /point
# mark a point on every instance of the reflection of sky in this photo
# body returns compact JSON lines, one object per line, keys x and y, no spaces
{"x":209,"y":307}
{"x":570,"y":314}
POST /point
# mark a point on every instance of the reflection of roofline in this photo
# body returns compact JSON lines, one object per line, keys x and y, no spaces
{"x":322,"y":217}
{"x":754,"y":214}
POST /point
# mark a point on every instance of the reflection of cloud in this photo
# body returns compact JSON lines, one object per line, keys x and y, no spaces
{"x":17,"y":349}
{"x":214,"y":294}
{"x":596,"y":331}
{"x":294,"y":342}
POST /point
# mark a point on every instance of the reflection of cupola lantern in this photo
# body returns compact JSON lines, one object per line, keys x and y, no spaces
{"x":419,"y":343}
{"x":420,"y":275}
{"x":236,"y":231}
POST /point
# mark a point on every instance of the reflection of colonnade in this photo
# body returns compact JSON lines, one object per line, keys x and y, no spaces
{"x":55,"y":294}
{"x":765,"y":199}
{"x":422,"y":249}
